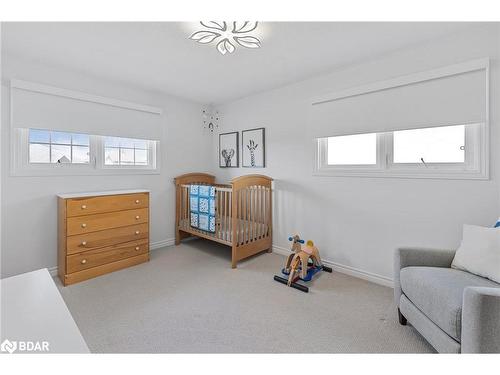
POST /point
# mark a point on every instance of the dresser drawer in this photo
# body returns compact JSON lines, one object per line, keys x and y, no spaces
{"x":92,"y":223}
{"x":93,"y":258}
{"x":108,"y":237}
{"x":95,"y":205}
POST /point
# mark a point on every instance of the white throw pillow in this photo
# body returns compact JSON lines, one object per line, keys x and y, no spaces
{"x":479,"y":252}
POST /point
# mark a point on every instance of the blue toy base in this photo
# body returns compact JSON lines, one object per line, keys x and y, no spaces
{"x":311,"y":271}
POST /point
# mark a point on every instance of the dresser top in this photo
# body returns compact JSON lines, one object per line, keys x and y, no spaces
{"x":100,"y":193}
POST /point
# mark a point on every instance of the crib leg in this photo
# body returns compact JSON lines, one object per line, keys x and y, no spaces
{"x":177,"y":237}
{"x":233,"y":258}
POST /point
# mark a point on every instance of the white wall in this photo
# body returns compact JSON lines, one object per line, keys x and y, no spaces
{"x":29,"y":203}
{"x":358,"y":222}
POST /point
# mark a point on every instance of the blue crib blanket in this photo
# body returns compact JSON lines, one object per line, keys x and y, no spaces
{"x":202,"y":207}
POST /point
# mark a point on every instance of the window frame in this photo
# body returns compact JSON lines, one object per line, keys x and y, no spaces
{"x":152,"y":156}
{"x":20,"y":165}
{"x":476,"y":165}
{"x":51,"y":144}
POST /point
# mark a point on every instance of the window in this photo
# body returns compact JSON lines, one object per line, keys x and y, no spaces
{"x":359,"y":149}
{"x":126,"y":151}
{"x":431,"y":145}
{"x":458,"y":151}
{"x":38,"y":152}
{"x":58,"y":147}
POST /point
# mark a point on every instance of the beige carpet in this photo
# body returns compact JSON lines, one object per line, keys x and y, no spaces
{"x":188,"y":299}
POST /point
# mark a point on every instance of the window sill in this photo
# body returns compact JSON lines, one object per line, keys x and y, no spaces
{"x":398,"y":173}
{"x":79,"y":171}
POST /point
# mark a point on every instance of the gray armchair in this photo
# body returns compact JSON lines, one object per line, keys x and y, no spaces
{"x":455,"y":311}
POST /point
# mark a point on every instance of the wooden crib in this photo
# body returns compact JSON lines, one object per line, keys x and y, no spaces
{"x":243,"y":213}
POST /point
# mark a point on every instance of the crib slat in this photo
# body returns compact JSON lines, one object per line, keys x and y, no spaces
{"x":217,"y":214}
{"x":256,"y":213}
{"x":269,"y":212}
{"x":264,"y":207}
{"x":243,"y":214}
{"x":218,"y":224}
{"x":230,"y":217}
{"x":260,"y":211}
{"x":183,"y":207}
{"x":245,"y":222}
{"x":241,"y":217}
{"x":187,"y":210}
{"x":256,"y":216}
{"x":256,"y":224}
{"x":226,"y":217}
{"x":220,"y":229}
{"x":250,"y":216}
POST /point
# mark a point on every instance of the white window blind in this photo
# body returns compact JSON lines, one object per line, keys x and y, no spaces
{"x":45,"y":107}
{"x":452,"y":95}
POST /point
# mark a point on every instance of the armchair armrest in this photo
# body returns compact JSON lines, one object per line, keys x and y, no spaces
{"x":406,"y":257}
{"x":481,"y":320}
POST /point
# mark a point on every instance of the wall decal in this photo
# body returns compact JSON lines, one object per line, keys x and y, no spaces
{"x":228,"y":150}
{"x":253,"y":148}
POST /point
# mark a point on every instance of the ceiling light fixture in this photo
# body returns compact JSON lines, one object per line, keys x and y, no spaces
{"x":227,"y":35}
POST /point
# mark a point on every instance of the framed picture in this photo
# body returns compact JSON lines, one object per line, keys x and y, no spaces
{"x":253,"y":148}
{"x":228,"y":150}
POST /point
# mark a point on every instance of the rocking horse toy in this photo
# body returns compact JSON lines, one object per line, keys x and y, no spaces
{"x":302,"y":264}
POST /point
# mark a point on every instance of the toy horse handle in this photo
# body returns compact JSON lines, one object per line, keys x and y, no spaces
{"x":291,"y":239}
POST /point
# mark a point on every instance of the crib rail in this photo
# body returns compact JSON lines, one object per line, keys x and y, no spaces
{"x":253,"y":214}
{"x":250,"y":221}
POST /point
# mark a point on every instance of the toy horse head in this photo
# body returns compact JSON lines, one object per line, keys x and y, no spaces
{"x":295,"y":239}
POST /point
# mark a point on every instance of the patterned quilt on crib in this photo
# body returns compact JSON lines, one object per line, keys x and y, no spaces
{"x":202,"y":207}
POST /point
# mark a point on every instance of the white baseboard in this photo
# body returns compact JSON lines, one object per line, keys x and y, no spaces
{"x":348,"y":270}
{"x":162,"y":243}
{"x":153,"y":246}
{"x":53,"y":271}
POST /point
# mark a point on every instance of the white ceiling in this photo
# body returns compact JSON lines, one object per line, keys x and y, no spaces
{"x":159,"y":56}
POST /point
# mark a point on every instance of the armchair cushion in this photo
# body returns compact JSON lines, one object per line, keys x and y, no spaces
{"x":438,"y":293}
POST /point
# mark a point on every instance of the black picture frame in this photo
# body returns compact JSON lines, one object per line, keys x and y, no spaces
{"x":247,"y":163}
{"x":222,"y":159}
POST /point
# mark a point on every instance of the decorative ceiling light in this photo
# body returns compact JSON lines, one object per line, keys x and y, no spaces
{"x":227,"y":35}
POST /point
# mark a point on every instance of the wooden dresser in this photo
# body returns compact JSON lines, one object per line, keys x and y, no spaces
{"x":101,"y":232}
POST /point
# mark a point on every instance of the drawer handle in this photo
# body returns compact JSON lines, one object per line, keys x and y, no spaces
{"x":137,"y":201}
{"x":84,"y":261}
{"x":84,"y":206}
{"x":84,"y":225}
{"x":84,"y":243}
{"x":137,"y":232}
{"x":137,"y":217}
{"x":137,"y":247}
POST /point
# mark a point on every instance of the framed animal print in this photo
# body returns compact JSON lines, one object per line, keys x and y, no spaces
{"x":228,"y":150}
{"x":253,"y":148}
